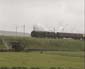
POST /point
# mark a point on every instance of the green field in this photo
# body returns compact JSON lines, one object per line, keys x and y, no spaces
{"x":44,"y":60}
{"x":47,"y":43}
{"x":69,"y":53}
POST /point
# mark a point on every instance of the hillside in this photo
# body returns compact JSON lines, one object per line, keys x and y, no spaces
{"x":46,"y":43}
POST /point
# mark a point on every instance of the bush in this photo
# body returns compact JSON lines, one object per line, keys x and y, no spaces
{"x":34,"y":68}
{"x":52,"y":67}
{"x":4,"y":68}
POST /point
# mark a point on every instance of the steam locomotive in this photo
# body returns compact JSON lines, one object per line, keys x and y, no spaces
{"x":45,"y":34}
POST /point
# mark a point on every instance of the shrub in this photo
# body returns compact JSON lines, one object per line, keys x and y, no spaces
{"x":52,"y":67}
{"x":34,"y":68}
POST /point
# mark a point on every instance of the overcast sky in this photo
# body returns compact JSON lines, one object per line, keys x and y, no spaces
{"x":49,"y":13}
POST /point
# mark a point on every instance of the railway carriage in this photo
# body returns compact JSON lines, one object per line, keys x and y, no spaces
{"x":46,"y":34}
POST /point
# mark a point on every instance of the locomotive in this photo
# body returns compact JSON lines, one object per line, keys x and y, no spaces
{"x":46,"y":34}
{"x":43,"y":34}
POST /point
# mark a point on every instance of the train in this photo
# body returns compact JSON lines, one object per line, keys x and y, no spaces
{"x":59,"y":35}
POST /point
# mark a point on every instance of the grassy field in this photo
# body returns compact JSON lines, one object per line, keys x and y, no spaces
{"x":47,"y":43}
{"x":44,"y":60}
{"x":69,"y":54}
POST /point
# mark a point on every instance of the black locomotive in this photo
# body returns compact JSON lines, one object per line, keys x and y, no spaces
{"x":46,"y":34}
{"x":42,"y":34}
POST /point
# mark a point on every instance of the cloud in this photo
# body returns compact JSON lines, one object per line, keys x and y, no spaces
{"x":47,"y":12}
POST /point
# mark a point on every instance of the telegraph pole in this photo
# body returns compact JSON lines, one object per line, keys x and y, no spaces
{"x":54,"y":30}
{"x":16,"y":31}
{"x":24,"y":29}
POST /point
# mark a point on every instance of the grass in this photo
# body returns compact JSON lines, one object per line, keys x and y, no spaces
{"x":69,"y":54}
{"x":1,"y":44}
{"x":47,"y":43}
{"x":44,"y":61}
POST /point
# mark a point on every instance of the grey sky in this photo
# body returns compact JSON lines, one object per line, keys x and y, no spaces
{"x":49,"y":13}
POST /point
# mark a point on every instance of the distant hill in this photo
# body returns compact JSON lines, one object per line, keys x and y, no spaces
{"x":11,"y":33}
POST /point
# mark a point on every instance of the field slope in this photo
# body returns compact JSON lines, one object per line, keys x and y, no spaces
{"x":47,"y":43}
{"x":69,"y":53}
{"x":44,"y":61}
